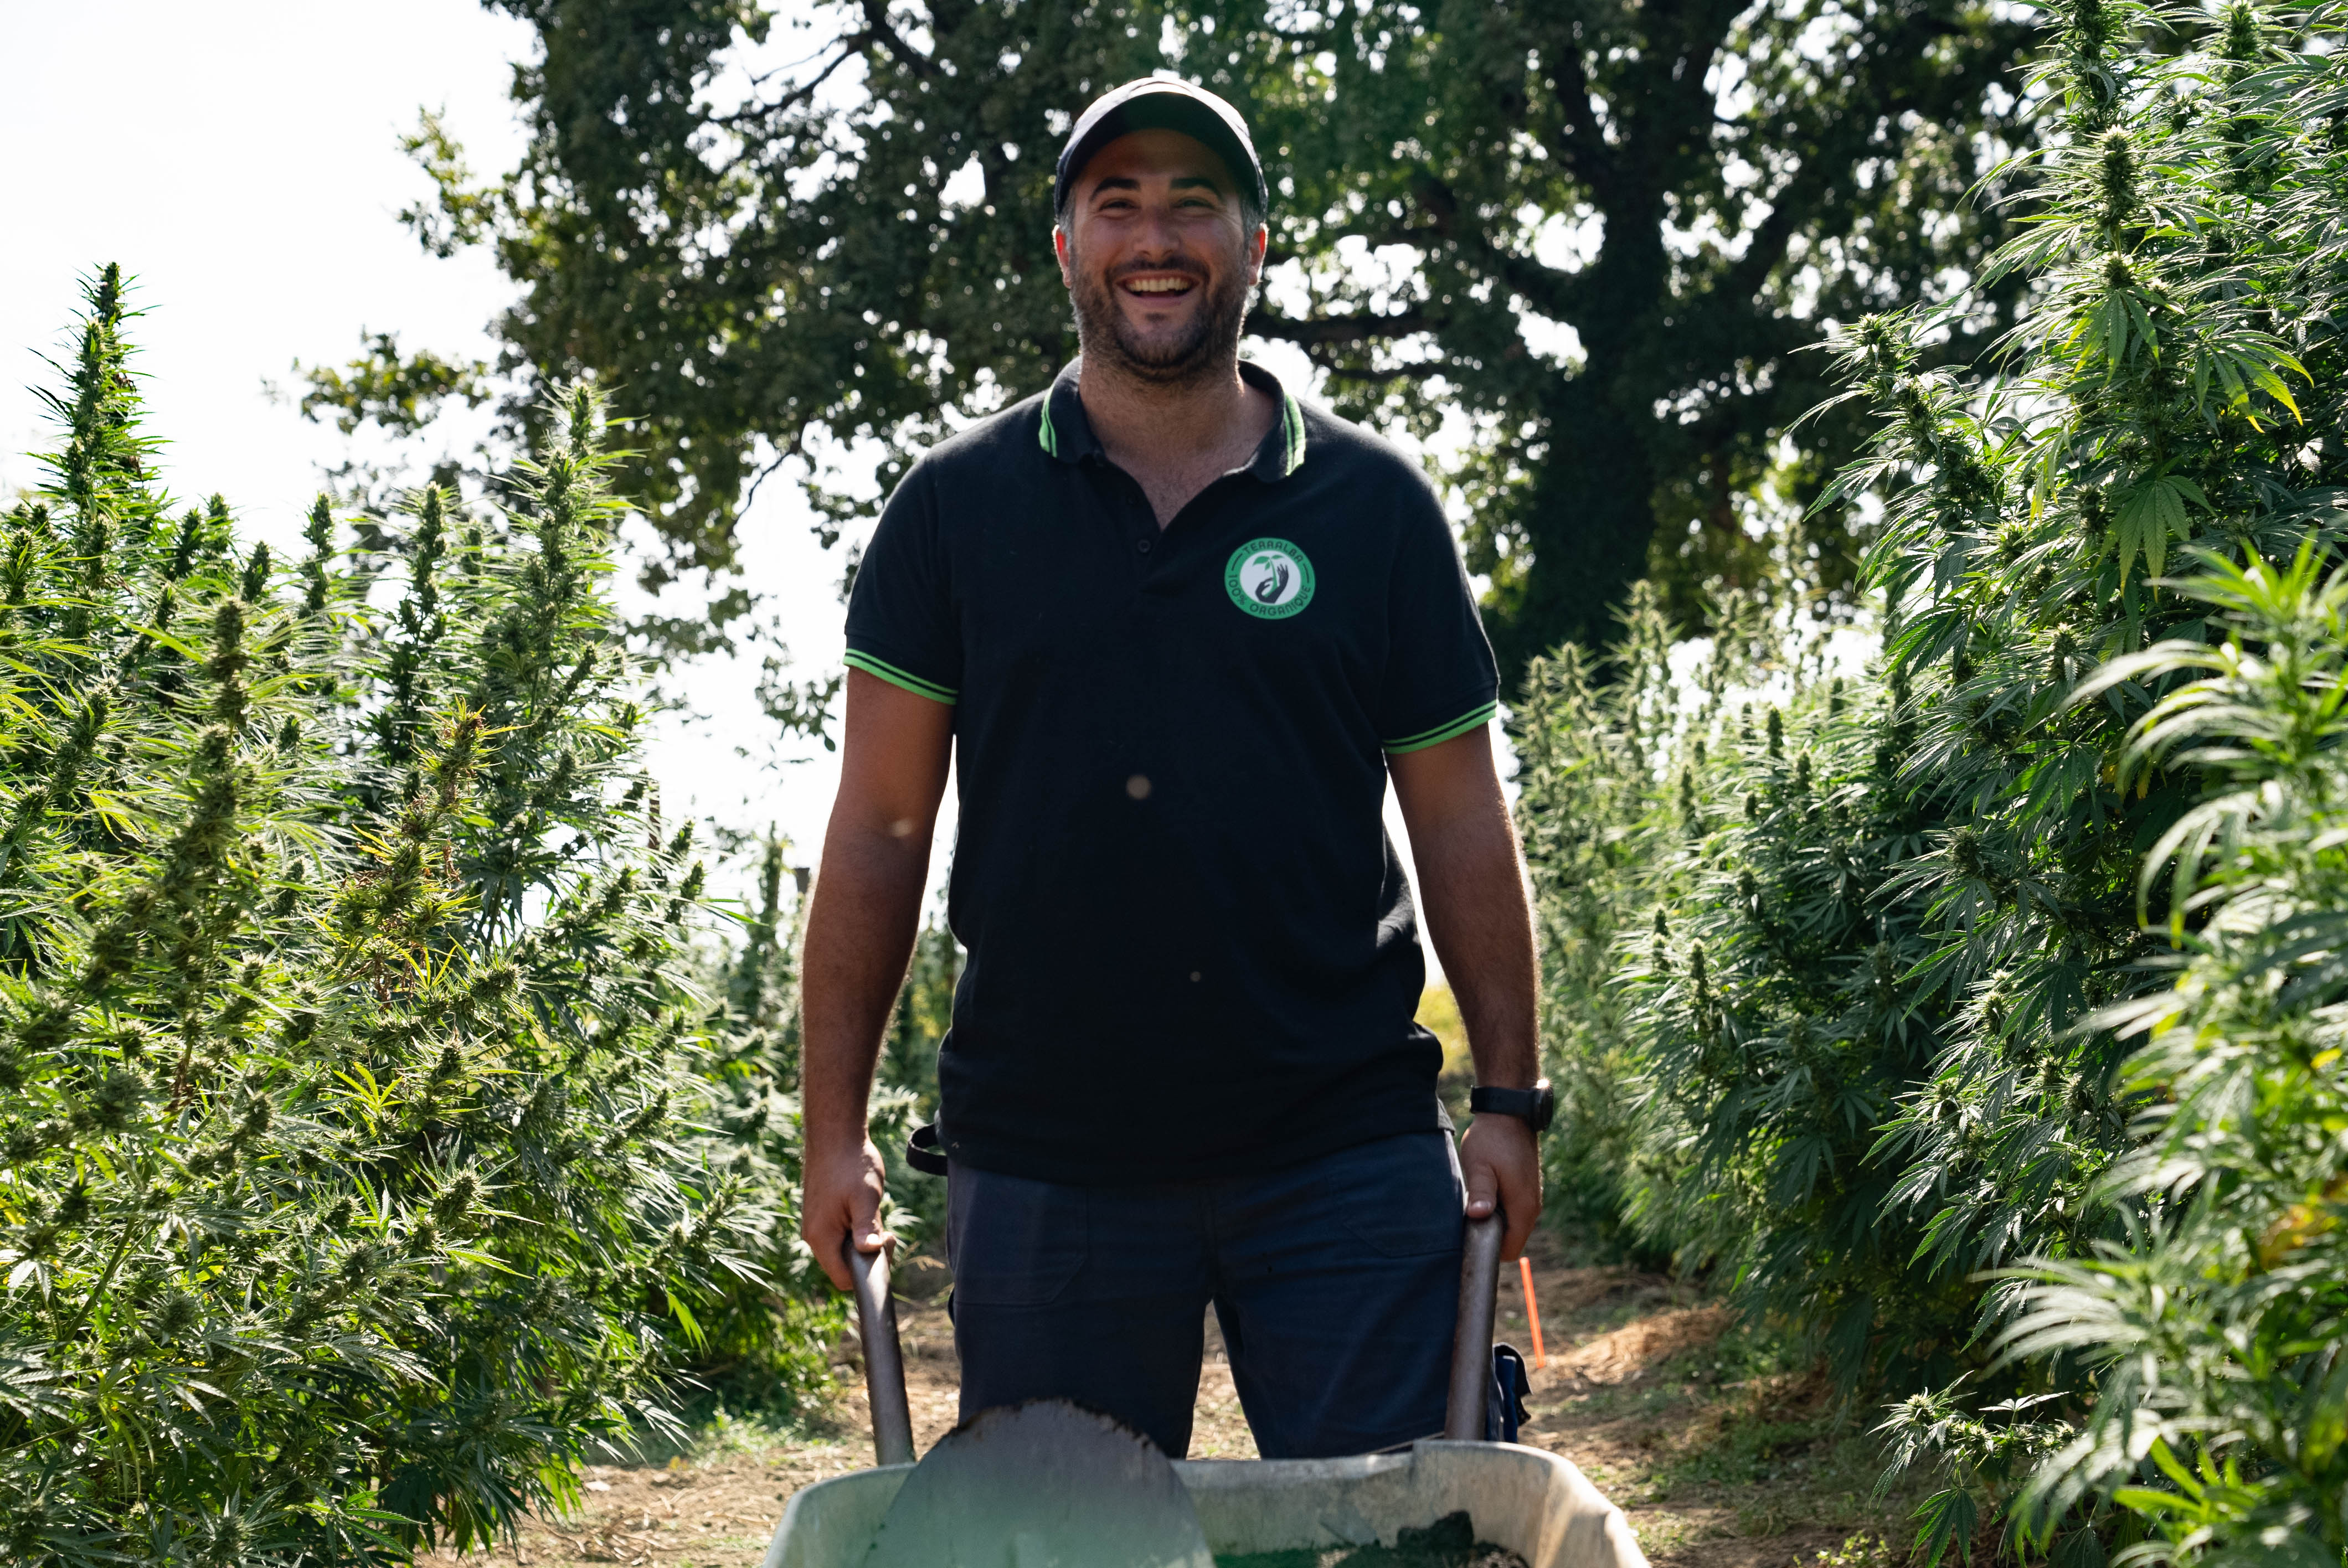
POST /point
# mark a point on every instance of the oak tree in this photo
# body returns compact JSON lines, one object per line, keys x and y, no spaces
{"x":1594,"y":234}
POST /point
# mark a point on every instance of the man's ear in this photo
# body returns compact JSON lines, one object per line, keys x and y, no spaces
{"x":1060,"y":249}
{"x":1257,"y":244}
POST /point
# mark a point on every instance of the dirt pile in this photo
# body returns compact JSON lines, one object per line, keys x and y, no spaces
{"x":1449,"y":1542}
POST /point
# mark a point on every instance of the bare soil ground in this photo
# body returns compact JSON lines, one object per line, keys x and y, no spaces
{"x":1720,"y":1460}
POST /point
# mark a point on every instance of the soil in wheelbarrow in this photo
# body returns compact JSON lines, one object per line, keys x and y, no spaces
{"x":1724,"y":1451}
{"x":1448,"y":1543}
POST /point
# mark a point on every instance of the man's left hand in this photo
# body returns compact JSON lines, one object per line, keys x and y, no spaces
{"x":1500,"y":1161}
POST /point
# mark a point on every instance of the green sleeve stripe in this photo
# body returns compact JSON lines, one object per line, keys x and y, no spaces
{"x":896,"y":676}
{"x":1443,"y":733}
{"x":1292,"y":421}
{"x":1045,"y":435}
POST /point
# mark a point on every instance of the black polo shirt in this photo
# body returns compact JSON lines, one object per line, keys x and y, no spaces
{"x":1192,"y":950}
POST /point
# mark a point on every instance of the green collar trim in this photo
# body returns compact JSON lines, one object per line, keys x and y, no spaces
{"x":1281,"y":453}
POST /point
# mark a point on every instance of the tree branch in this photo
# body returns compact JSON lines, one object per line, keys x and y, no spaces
{"x":1800,"y":207}
{"x":1366,"y":327}
{"x":1554,"y":294}
{"x":876,"y":22}
{"x":849,"y":47}
{"x":1337,"y":368}
{"x":1584,"y":150}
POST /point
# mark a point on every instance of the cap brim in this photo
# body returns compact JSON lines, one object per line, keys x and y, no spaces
{"x":1169,"y":110}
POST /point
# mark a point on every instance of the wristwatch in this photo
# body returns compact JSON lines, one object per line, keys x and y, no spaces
{"x":1534,"y":1107}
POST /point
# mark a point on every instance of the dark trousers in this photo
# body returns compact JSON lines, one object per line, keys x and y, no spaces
{"x":1335,"y":1282}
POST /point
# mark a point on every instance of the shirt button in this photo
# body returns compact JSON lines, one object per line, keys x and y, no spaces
{"x":1142,"y":545}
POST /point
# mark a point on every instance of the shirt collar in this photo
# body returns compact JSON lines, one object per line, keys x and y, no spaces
{"x":1066,"y":434}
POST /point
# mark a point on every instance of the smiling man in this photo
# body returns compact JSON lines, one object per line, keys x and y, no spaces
{"x":1177,"y":629}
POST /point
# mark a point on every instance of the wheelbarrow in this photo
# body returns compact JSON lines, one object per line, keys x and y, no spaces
{"x":1528,"y":1500}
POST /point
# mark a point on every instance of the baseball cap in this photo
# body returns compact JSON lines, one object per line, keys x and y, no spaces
{"x":1161,"y":103}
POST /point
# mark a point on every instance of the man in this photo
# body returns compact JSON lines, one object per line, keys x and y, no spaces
{"x":1181,"y":629}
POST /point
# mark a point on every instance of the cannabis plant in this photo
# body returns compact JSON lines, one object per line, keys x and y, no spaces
{"x":1874,"y":1007}
{"x":1704,"y":843}
{"x":2218,"y":1327}
{"x":2178,"y":384}
{"x":1585,"y":777}
{"x":367,"y":1154}
{"x":1780,"y":1024}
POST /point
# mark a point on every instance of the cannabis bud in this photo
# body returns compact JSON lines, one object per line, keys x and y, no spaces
{"x":457,"y":1199}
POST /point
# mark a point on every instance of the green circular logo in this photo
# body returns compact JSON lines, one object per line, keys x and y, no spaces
{"x":1268,"y":579}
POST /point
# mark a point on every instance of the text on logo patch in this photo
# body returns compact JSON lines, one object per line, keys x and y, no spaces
{"x":1268,"y":579}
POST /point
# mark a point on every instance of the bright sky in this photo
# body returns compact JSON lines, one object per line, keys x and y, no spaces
{"x":242,"y":159}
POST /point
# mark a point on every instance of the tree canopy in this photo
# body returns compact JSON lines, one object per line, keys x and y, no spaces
{"x":1599,"y":231}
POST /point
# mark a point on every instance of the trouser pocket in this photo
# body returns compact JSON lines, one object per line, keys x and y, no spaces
{"x":1012,"y":1242}
{"x":1400,"y":1196}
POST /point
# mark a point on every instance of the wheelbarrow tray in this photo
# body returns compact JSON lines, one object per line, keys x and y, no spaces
{"x":1534,"y":1504}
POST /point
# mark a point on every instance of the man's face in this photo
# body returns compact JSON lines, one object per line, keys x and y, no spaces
{"x":1158,"y":258}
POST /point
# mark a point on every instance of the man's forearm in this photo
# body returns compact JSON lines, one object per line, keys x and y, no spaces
{"x":867,"y":900}
{"x":1482,"y":930}
{"x":1472,"y":883}
{"x":1481,"y":925}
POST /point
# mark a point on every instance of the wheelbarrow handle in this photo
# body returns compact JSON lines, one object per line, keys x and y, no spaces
{"x":885,"y":1360}
{"x":1471,"y":1346}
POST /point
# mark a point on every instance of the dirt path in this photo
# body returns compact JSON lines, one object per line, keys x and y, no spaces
{"x":1719,"y":1460}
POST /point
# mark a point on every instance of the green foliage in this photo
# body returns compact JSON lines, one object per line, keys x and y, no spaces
{"x":1878,"y":944}
{"x":1590,"y":756}
{"x":1601,"y":231}
{"x":764,"y":1348}
{"x":1779,"y":1027}
{"x":2220,"y":1330}
{"x":906,"y":1092}
{"x":2166,"y":388}
{"x":760,"y":981}
{"x":1731,"y":1014}
{"x":1983,"y":1460}
{"x":401,"y":393}
{"x":367,"y":1153}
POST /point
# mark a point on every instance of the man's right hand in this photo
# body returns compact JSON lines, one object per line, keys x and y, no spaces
{"x":841,"y":1197}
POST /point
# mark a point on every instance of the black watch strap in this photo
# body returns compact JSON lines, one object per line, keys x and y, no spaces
{"x":1534,"y":1107}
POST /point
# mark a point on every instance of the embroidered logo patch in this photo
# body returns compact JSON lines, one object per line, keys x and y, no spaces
{"x":1268,"y":579}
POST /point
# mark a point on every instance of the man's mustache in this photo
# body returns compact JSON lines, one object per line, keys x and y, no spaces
{"x":1177,"y":262}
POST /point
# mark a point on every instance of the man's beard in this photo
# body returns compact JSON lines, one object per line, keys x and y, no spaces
{"x":1201,"y":350}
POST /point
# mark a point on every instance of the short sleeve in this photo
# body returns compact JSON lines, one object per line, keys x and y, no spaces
{"x":1440,"y":680}
{"x":901,"y":622}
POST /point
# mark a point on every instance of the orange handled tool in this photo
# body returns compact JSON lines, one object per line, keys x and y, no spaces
{"x":1533,"y":1310}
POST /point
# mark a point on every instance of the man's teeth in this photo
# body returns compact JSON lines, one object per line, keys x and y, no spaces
{"x":1158,"y":285}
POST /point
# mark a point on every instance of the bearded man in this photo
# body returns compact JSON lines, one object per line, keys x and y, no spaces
{"x":1177,"y":629}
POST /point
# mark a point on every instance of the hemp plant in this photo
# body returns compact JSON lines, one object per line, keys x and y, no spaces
{"x":364,"y":1154}
{"x":2178,"y":384}
{"x":1882,"y":1011}
{"x":2218,"y":1327}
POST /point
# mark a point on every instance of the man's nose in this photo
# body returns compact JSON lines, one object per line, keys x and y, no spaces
{"x":1157,"y":237}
